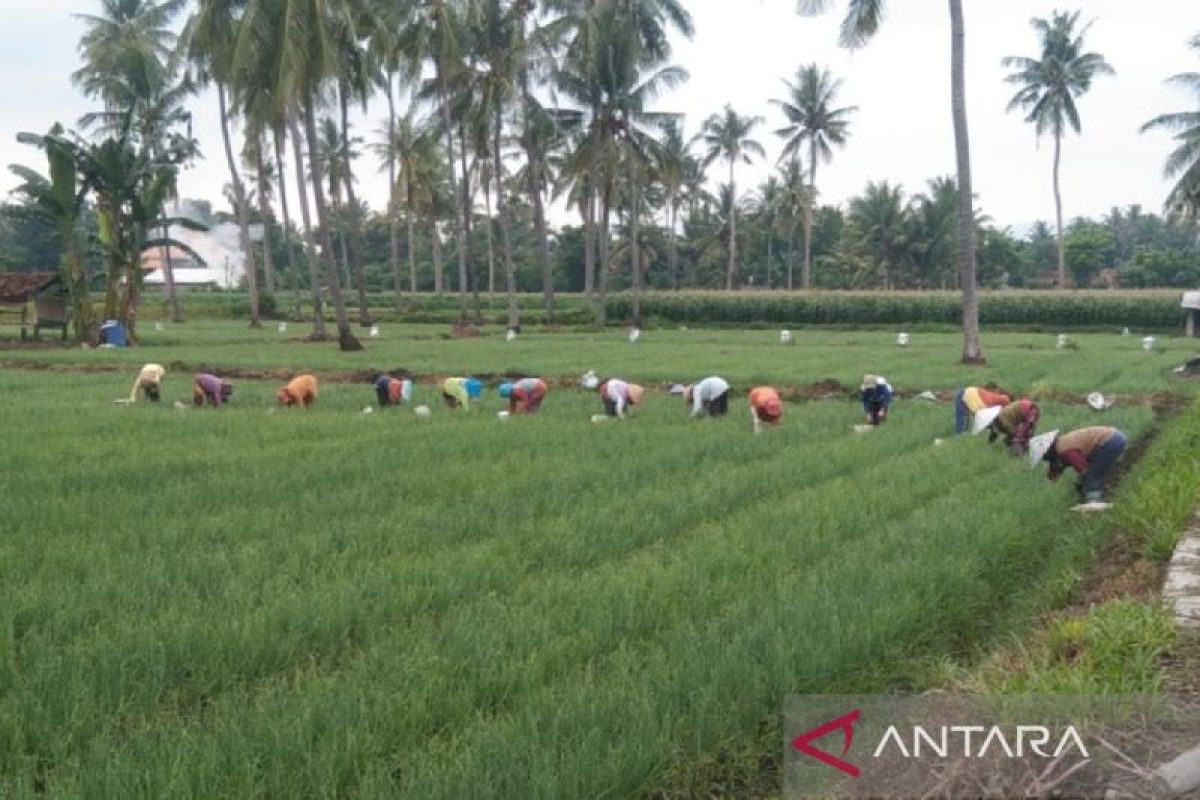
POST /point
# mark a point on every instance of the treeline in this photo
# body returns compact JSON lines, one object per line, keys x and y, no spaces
{"x":884,"y":239}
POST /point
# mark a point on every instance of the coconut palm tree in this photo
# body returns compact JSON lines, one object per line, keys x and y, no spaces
{"x":674,"y":162}
{"x":304,"y":54}
{"x":860,"y":23}
{"x":208,"y":41}
{"x":414,"y":155}
{"x":1183,"y":164}
{"x":538,"y":139}
{"x":1049,"y":85}
{"x":130,"y":62}
{"x":435,"y":33}
{"x":879,"y":235}
{"x":794,"y":202}
{"x":616,"y":132}
{"x":728,"y":136}
{"x":814,"y":122}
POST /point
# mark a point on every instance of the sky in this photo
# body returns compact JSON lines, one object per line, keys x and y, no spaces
{"x":740,"y":54}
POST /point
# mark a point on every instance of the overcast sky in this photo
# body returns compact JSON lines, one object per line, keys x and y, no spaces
{"x":740,"y":53}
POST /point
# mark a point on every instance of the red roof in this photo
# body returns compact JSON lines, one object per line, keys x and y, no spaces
{"x":18,"y":287}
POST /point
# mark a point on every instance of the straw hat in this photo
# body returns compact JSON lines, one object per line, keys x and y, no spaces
{"x":985,"y":417}
{"x":1039,"y":446}
{"x":870,"y":381}
{"x":635,"y":394}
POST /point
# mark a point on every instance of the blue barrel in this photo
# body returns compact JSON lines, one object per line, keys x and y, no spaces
{"x":113,"y":332}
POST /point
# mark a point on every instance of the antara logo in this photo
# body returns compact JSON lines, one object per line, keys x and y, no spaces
{"x":845,"y":724}
{"x":970,"y":741}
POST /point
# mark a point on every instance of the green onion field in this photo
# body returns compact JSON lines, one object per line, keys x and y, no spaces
{"x":262,"y":603}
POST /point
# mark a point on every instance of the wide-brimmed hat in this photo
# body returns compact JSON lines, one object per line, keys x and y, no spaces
{"x":870,"y":381}
{"x":1039,"y":446}
{"x":636,"y":393}
{"x":985,"y":417}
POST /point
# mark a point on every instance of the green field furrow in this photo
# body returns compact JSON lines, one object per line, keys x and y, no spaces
{"x":255,"y":602}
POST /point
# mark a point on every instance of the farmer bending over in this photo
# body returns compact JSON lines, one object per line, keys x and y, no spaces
{"x":1091,"y":451}
{"x":765,"y":406}
{"x":206,"y":386}
{"x":971,"y":400}
{"x":389,"y":391}
{"x":710,"y":396}
{"x":1016,"y":422}
{"x":617,"y":395}
{"x":525,"y":396}
{"x":149,"y":382}
{"x":461,"y":391}
{"x":876,"y":396}
{"x":300,"y":391}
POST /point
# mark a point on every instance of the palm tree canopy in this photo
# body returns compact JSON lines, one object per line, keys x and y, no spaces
{"x":811,"y":113}
{"x":862,"y":20}
{"x":728,"y":135}
{"x":1183,"y":163}
{"x":128,"y":49}
{"x":1050,"y":83}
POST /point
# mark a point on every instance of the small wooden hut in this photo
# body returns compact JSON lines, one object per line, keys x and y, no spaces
{"x":42,"y":293}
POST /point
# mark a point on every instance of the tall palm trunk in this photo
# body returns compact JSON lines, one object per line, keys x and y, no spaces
{"x":972,"y":352}
{"x":112,"y":264}
{"x":239,"y":196}
{"x":412,"y":254}
{"x":491,"y":244}
{"x":435,"y":244}
{"x":310,"y":250}
{"x":589,"y":244}
{"x":468,"y":203}
{"x":635,"y":260}
{"x":810,"y":202}
{"x":168,"y":268}
{"x":791,"y":255}
{"x":394,"y":202}
{"x":353,"y":236}
{"x":672,"y":243}
{"x":264,"y":211}
{"x":1061,"y":247}
{"x":732,"y":229}
{"x":346,"y":339}
{"x":510,"y":271}
{"x":602,"y":278}
{"x":288,"y":251}
{"x":461,"y":213}
{"x":770,"y":249}
{"x":533,"y":180}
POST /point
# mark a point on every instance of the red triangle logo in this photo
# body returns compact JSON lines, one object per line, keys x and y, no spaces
{"x":845,"y":724}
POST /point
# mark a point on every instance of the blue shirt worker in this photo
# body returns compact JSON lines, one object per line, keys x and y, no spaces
{"x":876,"y":396}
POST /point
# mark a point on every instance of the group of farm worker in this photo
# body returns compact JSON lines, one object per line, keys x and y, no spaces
{"x":1090,"y":451}
{"x":206,"y":387}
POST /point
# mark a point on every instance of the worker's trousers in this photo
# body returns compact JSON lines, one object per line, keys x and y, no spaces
{"x":962,"y":414}
{"x":1102,"y":461}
